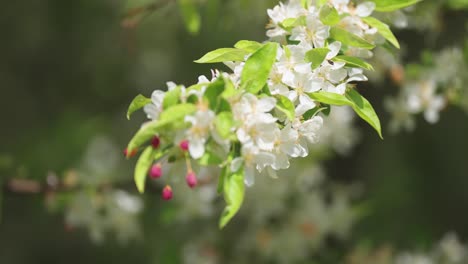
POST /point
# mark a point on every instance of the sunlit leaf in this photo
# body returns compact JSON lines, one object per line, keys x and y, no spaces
{"x":316,"y":56}
{"x":248,"y":45}
{"x":142,"y":167}
{"x":383,"y":29}
{"x":354,"y":62}
{"x":365,"y":110}
{"x":328,"y":15}
{"x":257,"y":68}
{"x":234,"y":190}
{"x":392,"y":5}
{"x":286,"y":106}
{"x":172,"y":97}
{"x":222,"y":55}
{"x":208,"y":159}
{"x":137,"y":103}
{"x":352,"y":98}
{"x":349,"y":38}
{"x":224,"y":123}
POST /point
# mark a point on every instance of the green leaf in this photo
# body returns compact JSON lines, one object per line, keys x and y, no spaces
{"x":248,"y":45}
{"x":365,"y":110}
{"x":223,"y":123}
{"x":320,"y":3}
{"x":213,"y":91}
{"x":392,"y":5}
{"x":383,"y":29}
{"x":354,"y":62}
{"x":313,"y":112}
{"x":137,"y":103}
{"x":168,"y":117}
{"x":316,"y":56}
{"x":209,"y":158}
{"x":222,"y":55}
{"x":190,"y":15}
{"x":349,"y":39}
{"x":360,"y":105}
{"x":229,"y":89}
{"x":328,"y":15}
{"x":257,"y":68}
{"x":290,"y":23}
{"x":172,"y":97}
{"x":222,"y":176}
{"x":330,"y":98}
{"x":234,"y":190}
{"x":142,"y":167}
{"x":286,"y":106}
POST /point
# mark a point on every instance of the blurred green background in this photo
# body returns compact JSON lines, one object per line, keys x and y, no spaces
{"x":68,"y":70}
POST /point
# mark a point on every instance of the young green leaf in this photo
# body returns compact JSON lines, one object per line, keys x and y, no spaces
{"x":316,"y":56}
{"x":168,"y":117}
{"x":248,"y":45}
{"x":365,"y":110}
{"x":224,"y":123}
{"x":141,"y":169}
{"x":137,"y":103}
{"x":349,"y":39}
{"x":172,"y":97}
{"x":222,"y":176}
{"x":190,"y":15}
{"x":257,"y":68}
{"x":360,"y":105}
{"x":208,"y":159}
{"x":292,"y":22}
{"x":383,"y":29}
{"x":330,"y":98}
{"x":229,"y":89}
{"x":328,"y":15}
{"x":213,"y":91}
{"x":286,"y":106}
{"x":392,"y":5}
{"x":222,"y":55}
{"x":354,"y":62}
{"x":234,"y":190}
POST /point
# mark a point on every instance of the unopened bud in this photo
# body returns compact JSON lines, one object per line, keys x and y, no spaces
{"x":184,"y":145}
{"x":155,"y":142}
{"x":155,"y":171}
{"x":191,"y":179}
{"x":167,"y":193}
{"x":131,"y":154}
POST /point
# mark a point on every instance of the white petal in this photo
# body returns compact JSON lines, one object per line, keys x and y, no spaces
{"x":431,"y":116}
{"x":196,"y":148}
{"x":365,"y":9}
{"x":281,"y":162}
{"x":236,"y":164}
{"x":264,"y":159}
{"x":334,"y":49}
{"x":242,"y":135}
{"x":249,"y":177}
{"x":266,"y":104}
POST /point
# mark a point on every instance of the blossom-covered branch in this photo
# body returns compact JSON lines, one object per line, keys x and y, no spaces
{"x":272,"y":105}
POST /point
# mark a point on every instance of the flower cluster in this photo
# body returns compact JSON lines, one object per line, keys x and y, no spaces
{"x":272,"y":106}
{"x":429,"y":88}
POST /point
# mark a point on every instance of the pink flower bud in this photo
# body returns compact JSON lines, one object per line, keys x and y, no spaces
{"x":184,"y":145}
{"x":191,"y":179}
{"x":155,"y":142}
{"x":167,"y":193}
{"x":156,"y":171}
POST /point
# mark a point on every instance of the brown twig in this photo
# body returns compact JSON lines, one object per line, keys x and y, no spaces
{"x":135,"y":15}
